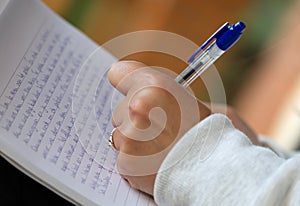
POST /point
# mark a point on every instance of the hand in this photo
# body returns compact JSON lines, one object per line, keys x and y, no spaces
{"x":155,"y":113}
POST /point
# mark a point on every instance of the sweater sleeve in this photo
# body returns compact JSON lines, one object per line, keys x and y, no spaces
{"x":216,"y":164}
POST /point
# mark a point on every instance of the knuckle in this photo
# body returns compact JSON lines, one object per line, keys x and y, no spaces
{"x":128,"y":146}
{"x":139,"y":113}
{"x":138,"y":105}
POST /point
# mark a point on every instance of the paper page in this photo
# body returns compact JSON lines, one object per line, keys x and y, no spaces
{"x":56,"y":105}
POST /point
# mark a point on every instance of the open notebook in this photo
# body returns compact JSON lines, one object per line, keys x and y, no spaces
{"x":56,"y":105}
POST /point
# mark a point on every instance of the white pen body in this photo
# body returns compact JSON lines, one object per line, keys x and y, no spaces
{"x":199,"y":65}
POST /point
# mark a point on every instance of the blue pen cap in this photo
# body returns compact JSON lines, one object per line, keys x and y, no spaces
{"x":229,"y":37}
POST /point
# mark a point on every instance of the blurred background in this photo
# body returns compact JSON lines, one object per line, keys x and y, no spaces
{"x":261,"y":74}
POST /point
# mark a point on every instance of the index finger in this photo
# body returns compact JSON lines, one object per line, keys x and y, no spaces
{"x":119,"y":71}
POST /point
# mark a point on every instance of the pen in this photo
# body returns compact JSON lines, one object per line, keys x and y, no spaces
{"x":210,"y":51}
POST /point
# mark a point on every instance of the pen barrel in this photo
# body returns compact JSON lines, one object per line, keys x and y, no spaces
{"x":199,"y":65}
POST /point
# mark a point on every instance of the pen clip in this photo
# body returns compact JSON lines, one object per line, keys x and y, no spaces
{"x":216,"y":35}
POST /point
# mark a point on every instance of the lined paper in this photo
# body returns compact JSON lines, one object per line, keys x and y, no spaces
{"x":56,"y":108}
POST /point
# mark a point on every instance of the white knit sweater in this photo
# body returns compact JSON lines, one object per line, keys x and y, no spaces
{"x":216,"y":164}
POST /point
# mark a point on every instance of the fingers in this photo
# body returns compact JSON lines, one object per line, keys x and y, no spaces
{"x":130,"y":146}
{"x":118,"y":73}
{"x":154,"y":114}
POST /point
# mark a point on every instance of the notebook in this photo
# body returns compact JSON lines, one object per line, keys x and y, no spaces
{"x":56,"y":106}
